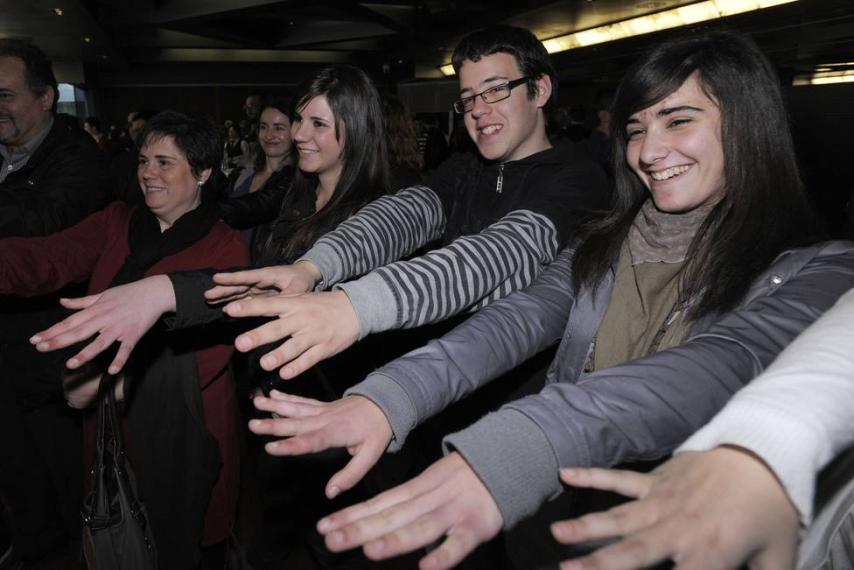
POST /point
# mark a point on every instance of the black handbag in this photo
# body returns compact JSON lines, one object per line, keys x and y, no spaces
{"x":116,"y":532}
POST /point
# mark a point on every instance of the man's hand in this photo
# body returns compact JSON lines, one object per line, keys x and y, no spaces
{"x":124,"y":314}
{"x":300,"y":277}
{"x":723,"y":505}
{"x":447,"y":499}
{"x":312,"y":426}
{"x":316,"y":326}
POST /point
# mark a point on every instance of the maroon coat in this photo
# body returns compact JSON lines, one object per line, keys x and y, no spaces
{"x":94,"y":250}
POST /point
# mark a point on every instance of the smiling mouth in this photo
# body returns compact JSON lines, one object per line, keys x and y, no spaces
{"x":668,"y":173}
{"x":490,"y":129}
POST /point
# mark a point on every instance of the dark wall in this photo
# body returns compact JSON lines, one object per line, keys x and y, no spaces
{"x":823,"y":127}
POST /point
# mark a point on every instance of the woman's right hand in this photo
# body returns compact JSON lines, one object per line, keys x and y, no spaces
{"x":124,"y":314}
{"x":312,"y":426}
{"x":301,"y":277}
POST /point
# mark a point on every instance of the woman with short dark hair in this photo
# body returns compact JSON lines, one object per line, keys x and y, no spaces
{"x":181,"y":413}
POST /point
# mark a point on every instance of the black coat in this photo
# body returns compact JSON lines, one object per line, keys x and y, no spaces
{"x":64,"y":181}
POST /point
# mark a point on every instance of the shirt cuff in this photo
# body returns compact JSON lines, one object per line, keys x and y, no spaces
{"x":375,"y":303}
{"x":328,"y":262}
{"x":513,"y":458}
{"x":394,"y":402}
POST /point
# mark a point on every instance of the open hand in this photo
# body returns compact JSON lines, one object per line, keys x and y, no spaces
{"x":723,"y":505}
{"x":311,"y":426}
{"x":447,"y":499}
{"x":315,"y":326}
{"x":120,"y":314}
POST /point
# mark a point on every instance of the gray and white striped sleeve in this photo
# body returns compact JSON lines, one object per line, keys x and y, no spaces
{"x":384,"y":231}
{"x":467,"y":274}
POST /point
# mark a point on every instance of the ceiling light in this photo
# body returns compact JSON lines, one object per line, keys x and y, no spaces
{"x":824,"y":77}
{"x":87,"y":39}
{"x":664,"y":20}
{"x":57,"y":11}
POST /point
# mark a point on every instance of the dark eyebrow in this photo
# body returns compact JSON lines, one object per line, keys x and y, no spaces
{"x":681,"y":108}
{"x":666,"y":112}
{"x":487,"y":80}
{"x":322,"y":119}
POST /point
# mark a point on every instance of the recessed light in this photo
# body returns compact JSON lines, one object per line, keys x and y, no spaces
{"x":57,"y":11}
{"x":87,"y":39}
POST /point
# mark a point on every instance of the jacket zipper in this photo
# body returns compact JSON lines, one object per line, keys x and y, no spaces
{"x":500,"y":183}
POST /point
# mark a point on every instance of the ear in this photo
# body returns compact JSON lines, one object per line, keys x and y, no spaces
{"x":204,"y":176}
{"x":46,"y":100}
{"x":544,"y":89}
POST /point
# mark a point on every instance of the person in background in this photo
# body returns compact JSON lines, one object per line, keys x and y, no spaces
{"x":235,"y":151}
{"x":92,"y":125}
{"x":256,"y":191}
{"x":51,"y":177}
{"x":599,"y":141}
{"x":123,"y":167}
{"x":405,"y":159}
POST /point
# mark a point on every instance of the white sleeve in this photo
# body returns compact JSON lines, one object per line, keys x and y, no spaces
{"x":797,"y":415}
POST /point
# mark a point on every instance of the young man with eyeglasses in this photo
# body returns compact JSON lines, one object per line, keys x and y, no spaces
{"x":499,"y":218}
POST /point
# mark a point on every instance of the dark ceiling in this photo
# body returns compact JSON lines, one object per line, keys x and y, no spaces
{"x":142,"y":42}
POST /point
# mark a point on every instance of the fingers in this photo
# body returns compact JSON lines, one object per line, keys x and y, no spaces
{"x":101,"y":343}
{"x":640,"y":551}
{"x":353,"y":472}
{"x":619,"y":521}
{"x":380,"y":516}
{"x":421,"y":532}
{"x":246,"y":278}
{"x":290,"y":407}
{"x":223,"y":293}
{"x":628,"y":483}
{"x":272,"y":331}
{"x":73,"y":329}
{"x":285,"y":352}
{"x":452,"y":551}
{"x":79,"y":302}
{"x":305,"y":361}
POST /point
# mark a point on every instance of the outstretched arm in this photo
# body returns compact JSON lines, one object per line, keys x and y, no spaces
{"x":469,"y":273}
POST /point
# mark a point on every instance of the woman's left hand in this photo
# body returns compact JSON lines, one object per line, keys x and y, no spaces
{"x":446,"y":500}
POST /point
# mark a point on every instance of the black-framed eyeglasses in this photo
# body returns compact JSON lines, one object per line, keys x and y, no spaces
{"x":491,"y":95}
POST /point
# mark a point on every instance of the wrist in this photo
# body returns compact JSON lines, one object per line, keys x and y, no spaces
{"x":164,"y":294}
{"x":309,"y":271}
